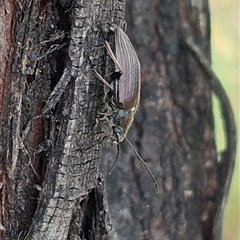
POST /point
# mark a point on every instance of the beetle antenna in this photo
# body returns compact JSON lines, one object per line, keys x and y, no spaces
{"x":144,"y":164}
{"x":118,"y":150}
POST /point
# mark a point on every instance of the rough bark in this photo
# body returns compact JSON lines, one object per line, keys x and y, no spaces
{"x":51,"y":186}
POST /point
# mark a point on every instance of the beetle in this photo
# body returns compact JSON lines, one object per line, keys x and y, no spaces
{"x":125,"y":88}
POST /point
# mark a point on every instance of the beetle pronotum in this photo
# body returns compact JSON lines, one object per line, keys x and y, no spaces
{"x":126,"y":90}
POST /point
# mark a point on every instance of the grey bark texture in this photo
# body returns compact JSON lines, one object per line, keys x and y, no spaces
{"x":53,"y":172}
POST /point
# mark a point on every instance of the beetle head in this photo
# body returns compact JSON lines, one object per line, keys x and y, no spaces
{"x":122,"y":121}
{"x":118,"y":135}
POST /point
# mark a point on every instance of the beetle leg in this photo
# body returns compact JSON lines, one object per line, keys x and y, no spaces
{"x":111,"y":54}
{"x":104,"y":116}
{"x":102,"y":79}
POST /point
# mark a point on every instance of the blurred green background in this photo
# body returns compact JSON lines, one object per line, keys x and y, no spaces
{"x":225,"y":62}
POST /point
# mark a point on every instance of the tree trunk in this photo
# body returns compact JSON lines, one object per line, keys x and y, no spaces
{"x":51,"y":136}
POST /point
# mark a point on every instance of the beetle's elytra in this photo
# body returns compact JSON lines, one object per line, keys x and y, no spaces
{"x":128,"y":94}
